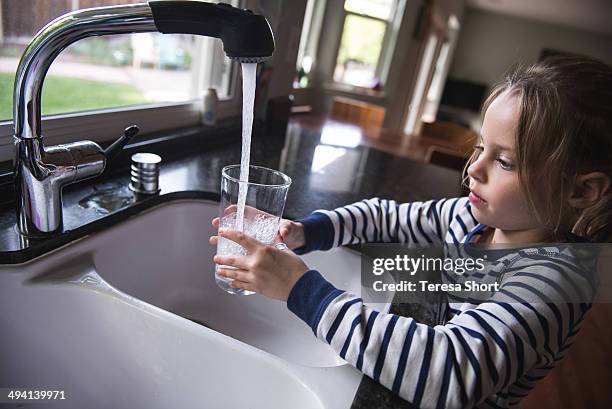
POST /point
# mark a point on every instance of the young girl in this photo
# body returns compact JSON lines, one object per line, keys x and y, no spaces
{"x":540,"y":173}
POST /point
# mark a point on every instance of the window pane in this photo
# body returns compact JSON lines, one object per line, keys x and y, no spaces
{"x":105,"y":71}
{"x":358,"y":54}
{"x":375,"y":8}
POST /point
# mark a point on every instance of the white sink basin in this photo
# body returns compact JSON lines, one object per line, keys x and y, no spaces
{"x":163,"y":257}
{"x":85,"y":319}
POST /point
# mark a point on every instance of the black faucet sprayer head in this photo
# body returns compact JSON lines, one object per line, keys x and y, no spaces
{"x":246,"y":36}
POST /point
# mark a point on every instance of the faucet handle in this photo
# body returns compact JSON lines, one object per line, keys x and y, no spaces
{"x":113,"y":150}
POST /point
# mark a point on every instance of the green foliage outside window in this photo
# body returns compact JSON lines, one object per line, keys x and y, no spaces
{"x":362,"y":40}
{"x":61,"y":94}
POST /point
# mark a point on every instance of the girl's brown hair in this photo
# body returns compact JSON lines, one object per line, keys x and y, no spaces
{"x":564,"y":129}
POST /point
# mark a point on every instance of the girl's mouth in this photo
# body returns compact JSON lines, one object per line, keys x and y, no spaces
{"x":475,"y":199}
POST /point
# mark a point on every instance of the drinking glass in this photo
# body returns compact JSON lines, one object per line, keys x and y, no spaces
{"x":266,"y":192}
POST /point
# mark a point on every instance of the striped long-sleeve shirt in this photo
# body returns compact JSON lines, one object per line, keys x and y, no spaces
{"x":489,"y":354}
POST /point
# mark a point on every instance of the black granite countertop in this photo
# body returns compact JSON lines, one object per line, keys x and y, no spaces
{"x":324,"y":175}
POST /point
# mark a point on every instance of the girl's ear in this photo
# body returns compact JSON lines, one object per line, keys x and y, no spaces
{"x":588,"y":189}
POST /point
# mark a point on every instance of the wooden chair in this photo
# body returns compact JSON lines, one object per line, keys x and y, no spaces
{"x":449,"y":135}
{"x":448,"y":158}
{"x":357,"y":112}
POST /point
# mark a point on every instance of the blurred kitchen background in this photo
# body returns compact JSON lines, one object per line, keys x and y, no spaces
{"x":406,"y":76}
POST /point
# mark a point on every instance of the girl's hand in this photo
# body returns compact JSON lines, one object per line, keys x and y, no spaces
{"x":265,"y":270}
{"x":289,"y":232}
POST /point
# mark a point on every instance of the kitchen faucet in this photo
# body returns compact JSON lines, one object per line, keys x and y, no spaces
{"x":41,"y":172}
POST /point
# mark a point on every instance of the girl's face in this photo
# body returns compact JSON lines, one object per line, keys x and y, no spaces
{"x":496,"y":197}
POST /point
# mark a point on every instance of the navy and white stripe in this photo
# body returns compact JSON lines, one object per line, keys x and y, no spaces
{"x":488,"y":354}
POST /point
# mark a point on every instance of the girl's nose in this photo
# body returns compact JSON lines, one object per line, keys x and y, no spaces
{"x":476,"y":170}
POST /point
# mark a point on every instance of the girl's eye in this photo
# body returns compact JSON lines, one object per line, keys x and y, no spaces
{"x":504,"y":165}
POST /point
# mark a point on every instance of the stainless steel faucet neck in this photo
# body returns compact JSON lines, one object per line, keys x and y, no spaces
{"x":55,"y":37}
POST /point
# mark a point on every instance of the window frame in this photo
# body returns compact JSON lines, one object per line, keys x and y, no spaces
{"x":387,"y":46}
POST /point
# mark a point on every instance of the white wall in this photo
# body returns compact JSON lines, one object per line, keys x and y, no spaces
{"x":490,"y":43}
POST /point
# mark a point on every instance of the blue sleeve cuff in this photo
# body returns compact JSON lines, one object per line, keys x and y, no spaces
{"x":319,"y":233}
{"x":310,"y":297}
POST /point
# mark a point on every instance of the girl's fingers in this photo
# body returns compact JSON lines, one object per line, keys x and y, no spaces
{"x":215,"y":222}
{"x":248,"y":210}
{"x":230,"y":209}
{"x":248,"y":242}
{"x":239,"y":275}
{"x":241,"y":285}
{"x":233,"y":261}
{"x":278,"y":235}
{"x":213,"y":240}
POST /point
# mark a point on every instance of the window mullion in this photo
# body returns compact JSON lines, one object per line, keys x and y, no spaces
{"x":383,"y":51}
{"x":347,"y":12}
